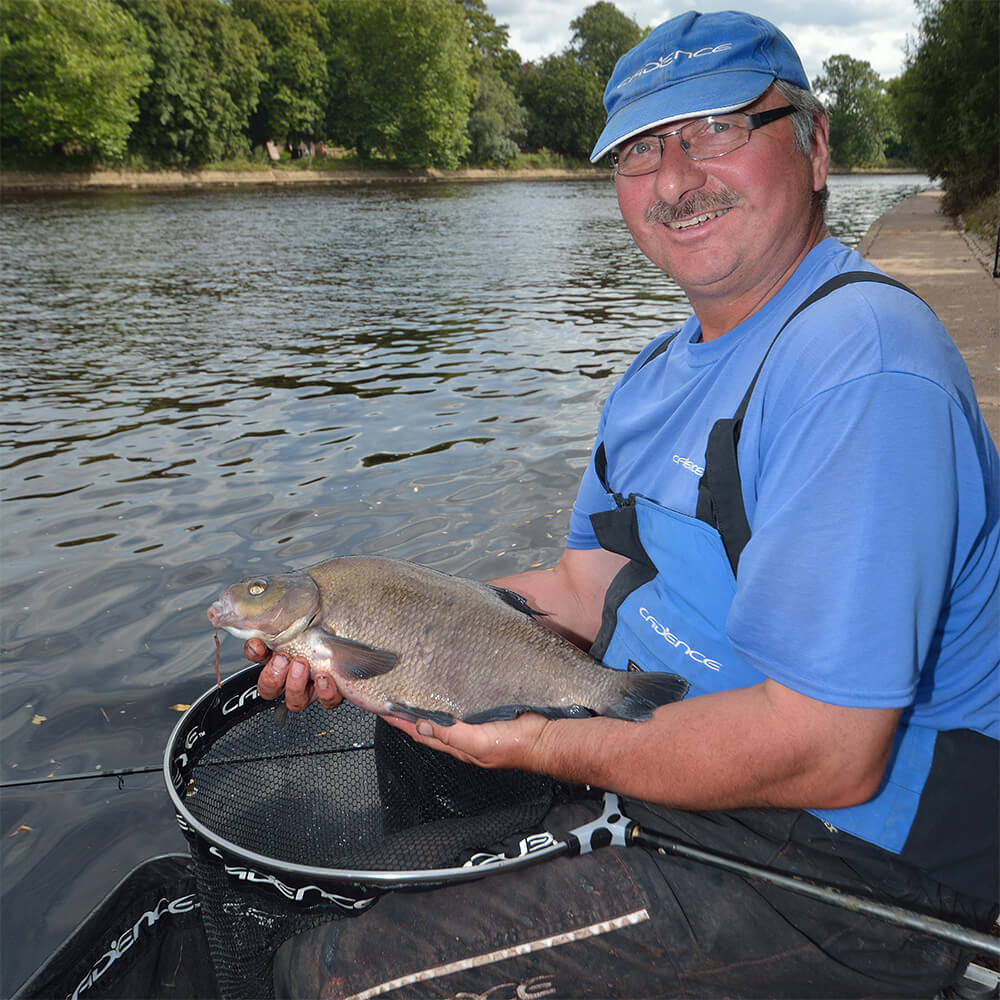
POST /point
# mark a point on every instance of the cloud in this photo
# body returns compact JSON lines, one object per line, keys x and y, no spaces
{"x":873,"y":30}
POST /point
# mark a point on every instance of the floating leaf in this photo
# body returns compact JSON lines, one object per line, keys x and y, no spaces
{"x":180,"y":708}
{"x":105,"y":714}
{"x":21,"y":829}
{"x":39,"y":719}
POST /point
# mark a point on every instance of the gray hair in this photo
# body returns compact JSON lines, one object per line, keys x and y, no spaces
{"x":807,"y":108}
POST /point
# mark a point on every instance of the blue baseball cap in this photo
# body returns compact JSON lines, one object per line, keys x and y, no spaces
{"x":693,"y":65}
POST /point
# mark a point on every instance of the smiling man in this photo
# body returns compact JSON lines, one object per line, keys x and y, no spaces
{"x":792,"y":502}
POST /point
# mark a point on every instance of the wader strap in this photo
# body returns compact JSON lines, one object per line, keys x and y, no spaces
{"x":720,"y":492}
{"x":954,"y":834}
{"x":600,"y":455}
{"x":618,"y":531}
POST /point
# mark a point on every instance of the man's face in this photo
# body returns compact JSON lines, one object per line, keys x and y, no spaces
{"x":741,"y":221}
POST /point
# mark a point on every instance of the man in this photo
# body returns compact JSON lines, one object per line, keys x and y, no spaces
{"x":792,"y":503}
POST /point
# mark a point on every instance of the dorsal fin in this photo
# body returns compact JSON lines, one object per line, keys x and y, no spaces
{"x":517,"y":601}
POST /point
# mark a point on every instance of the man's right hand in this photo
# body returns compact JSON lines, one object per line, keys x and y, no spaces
{"x":293,"y":676}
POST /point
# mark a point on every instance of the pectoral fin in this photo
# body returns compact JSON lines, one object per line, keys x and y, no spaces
{"x":348,"y":658}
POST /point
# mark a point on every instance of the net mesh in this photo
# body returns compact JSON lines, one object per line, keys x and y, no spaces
{"x":332,"y":790}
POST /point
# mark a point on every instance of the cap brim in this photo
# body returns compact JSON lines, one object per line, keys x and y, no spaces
{"x":713,"y":94}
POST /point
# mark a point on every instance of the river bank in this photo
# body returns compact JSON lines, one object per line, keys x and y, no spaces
{"x":16,"y":181}
{"x":27,"y":181}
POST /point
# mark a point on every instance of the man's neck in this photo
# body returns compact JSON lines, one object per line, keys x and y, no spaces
{"x":719,"y":314}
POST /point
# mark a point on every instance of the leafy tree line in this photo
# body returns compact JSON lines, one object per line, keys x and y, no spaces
{"x":430,"y":83}
{"x":942,"y":114}
{"x":184,"y":83}
{"x":947,"y":100}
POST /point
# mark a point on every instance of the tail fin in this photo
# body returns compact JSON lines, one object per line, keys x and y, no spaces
{"x":641,"y":693}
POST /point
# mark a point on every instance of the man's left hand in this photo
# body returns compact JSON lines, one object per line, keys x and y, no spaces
{"x":508,"y":744}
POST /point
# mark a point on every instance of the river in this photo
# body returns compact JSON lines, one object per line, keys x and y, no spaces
{"x":209,"y":383}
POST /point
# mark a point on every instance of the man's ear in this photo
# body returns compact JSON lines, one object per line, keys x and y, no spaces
{"x":819,"y":153}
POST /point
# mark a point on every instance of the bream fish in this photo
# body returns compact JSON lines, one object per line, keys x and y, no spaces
{"x":407,"y":641}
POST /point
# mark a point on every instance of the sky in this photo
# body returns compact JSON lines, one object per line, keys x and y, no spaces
{"x":871,"y":30}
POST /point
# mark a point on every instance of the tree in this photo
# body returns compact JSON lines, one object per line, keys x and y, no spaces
{"x":72,"y":74}
{"x":399,"y":79}
{"x":293,"y":94}
{"x":497,"y":119}
{"x":564,"y":99}
{"x":206,"y":81}
{"x":488,"y":42}
{"x":859,"y":110}
{"x":946,"y":98}
{"x":602,"y":34}
{"x":564,"y":94}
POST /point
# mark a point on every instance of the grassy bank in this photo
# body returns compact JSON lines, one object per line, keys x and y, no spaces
{"x":29,"y":176}
{"x":983,"y":218}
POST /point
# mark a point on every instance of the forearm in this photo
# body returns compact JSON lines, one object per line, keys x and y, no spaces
{"x":759,"y":746}
{"x":734,"y":749}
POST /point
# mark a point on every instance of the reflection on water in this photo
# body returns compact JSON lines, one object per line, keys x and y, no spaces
{"x":206,"y":382}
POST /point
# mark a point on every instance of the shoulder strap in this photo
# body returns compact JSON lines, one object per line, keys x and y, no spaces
{"x":720,"y":492}
{"x":600,"y":455}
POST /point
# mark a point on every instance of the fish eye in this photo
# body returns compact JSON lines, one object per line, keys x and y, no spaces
{"x":257,"y":587}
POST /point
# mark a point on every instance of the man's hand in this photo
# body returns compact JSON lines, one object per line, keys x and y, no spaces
{"x":487,"y":744}
{"x":294,"y":677}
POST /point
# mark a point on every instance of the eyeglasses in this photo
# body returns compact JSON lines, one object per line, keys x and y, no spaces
{"x":703,"y":139}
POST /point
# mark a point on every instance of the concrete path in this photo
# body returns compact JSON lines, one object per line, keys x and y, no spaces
{"x":917,"y":245}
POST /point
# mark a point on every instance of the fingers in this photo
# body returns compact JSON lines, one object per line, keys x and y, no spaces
{"x":294,"y":679}
{"x":508,"y":744}
{"x":326,"y":690}
{"x":254,"y":649}
{"x":271,"y":681}
{"x":298,"y":683}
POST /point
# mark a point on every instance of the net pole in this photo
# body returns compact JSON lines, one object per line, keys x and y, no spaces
{"x":898,"y":915}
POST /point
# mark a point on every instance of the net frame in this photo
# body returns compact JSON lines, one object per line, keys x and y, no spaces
{"x":223,"y":708}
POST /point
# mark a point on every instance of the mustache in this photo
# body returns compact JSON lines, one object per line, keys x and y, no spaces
{"x":697,"y":204}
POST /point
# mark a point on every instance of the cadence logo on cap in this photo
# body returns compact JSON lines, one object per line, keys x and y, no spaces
{"x":671,"y":57}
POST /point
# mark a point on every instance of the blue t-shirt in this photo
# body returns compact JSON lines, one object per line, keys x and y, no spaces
{"x":870,"y":484}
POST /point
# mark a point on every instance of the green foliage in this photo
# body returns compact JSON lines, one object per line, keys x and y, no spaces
{"x":564,"y":98}
{"x":602,"y":34}
{"x":70,"y":75}
{"x":293,"y":94}
{"x":946,"y":99}
{"x":488,"y":42}
{"x":564,"y":94}
{"x":496,"y":121}
{"x":399,"y":81}
{"x":859,"y":109}
{"x":983,"y":218}
{"x":206,"y":81}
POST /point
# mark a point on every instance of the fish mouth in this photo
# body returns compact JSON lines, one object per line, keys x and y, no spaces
{"x":223,"y":614}
{"x":217,"y":614}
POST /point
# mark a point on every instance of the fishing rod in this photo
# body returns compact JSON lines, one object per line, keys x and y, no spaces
{"x":898,"y":915}
{"x":119,"y":773}
{"x":123,"y":772}
{"x":614,"y":828}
